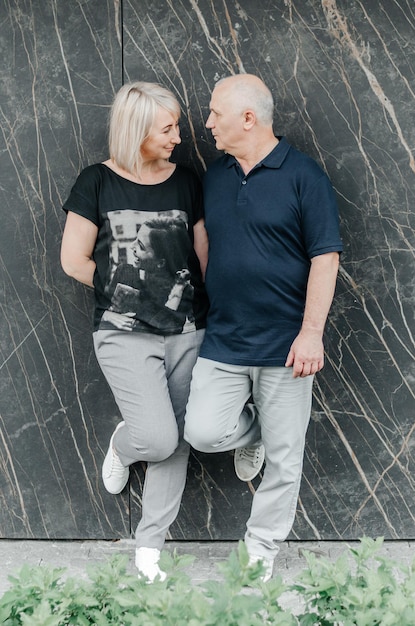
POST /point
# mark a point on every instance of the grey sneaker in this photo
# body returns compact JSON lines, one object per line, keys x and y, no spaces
{"x":114,"y":474}
{"x":267,"y":563}
{"x":248,"y":462}
{"x":147,"y":563}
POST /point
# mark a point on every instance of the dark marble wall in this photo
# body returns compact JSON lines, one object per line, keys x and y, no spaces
{"x":343,"y":78}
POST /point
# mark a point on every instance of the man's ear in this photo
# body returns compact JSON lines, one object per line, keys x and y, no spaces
{"x":161,"y":263}
{"x":249,"y":119}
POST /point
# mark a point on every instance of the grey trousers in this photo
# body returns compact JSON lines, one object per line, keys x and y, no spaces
{"x":216,"y":421}
{"x":149,"y":376}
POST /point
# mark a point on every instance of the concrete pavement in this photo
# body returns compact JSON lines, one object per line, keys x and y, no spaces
{"x":75,"y":555}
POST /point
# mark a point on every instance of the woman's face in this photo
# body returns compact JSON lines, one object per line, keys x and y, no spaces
{"x":141,"y":247}
{"x":163,"y":138}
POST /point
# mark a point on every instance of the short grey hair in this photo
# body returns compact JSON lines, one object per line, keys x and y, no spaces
{"x":255,"y":95}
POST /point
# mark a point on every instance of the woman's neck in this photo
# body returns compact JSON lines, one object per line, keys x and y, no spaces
{"x":151,"y":173}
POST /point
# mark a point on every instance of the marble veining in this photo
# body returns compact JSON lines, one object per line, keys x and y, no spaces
{"x":342,"y":73}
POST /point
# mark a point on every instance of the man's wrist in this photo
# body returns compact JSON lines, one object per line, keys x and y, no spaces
{"x":312,"y":329}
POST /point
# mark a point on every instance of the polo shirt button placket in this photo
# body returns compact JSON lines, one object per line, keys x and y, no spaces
{"x":242,"y":192}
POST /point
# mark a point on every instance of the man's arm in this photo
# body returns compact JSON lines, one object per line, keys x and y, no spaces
{"x":201,"y":244}
{"x":77,"y":247}
{"x":306,"y":355}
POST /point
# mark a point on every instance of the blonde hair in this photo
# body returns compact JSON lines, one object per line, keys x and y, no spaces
{"x":132,"y":116}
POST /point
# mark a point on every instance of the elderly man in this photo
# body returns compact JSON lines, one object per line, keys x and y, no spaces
{"x":274,"y":244}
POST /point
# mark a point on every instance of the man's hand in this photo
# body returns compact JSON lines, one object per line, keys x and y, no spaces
{"x":306,"y":355}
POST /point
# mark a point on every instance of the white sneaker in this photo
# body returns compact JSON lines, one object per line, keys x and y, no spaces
{"x":114,"y":474}
{"x":267,"y":563}
{"x":248,"y":462}
{"x":147,"y":563}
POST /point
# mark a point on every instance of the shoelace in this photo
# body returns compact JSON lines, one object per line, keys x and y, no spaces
{"x":252,"y":455}
{"x":116,"y":466}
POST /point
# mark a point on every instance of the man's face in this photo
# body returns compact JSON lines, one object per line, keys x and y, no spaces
{"x":224,"y":121}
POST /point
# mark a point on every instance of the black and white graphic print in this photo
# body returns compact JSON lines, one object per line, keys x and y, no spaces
{"x":149,"y":279}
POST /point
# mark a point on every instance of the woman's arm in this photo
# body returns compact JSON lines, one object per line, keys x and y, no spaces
{"x":78,"y":242}
{"x":201,"y":244}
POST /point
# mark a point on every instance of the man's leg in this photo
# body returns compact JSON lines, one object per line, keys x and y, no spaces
{"x":283,"y":404}
{"x":216,"y":420}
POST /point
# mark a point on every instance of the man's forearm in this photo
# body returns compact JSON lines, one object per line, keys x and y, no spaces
{"x":320,"y":291}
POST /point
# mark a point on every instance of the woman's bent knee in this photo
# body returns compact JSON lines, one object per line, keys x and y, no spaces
{"x":155,"y":450}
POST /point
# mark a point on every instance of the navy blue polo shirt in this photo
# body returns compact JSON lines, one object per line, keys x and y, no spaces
{"x":263,"y":227}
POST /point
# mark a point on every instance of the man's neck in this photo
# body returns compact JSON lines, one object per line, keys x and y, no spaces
{"x":252,"y":157}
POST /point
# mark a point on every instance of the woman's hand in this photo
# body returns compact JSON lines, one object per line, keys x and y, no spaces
{"x":122,"y":321}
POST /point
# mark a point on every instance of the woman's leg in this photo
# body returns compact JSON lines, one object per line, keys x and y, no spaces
{"x":134,"y":366}
{"x":165,"y":480}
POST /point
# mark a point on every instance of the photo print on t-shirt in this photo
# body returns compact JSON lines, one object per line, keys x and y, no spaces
{"x":149,"y":279}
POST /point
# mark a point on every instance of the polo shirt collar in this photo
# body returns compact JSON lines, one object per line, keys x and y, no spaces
{"x":273,"y":160}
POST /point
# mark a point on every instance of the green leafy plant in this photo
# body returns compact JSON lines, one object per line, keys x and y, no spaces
{"x":360,"y":588}
{"x":40,"y":596}
{"x":228,"y":603}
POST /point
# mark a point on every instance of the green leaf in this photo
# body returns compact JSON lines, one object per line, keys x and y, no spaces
{"x":360,"y":588}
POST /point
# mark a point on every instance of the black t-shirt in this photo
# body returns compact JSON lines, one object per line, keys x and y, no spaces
{"x":147,"y":276}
